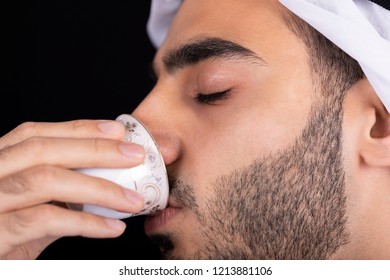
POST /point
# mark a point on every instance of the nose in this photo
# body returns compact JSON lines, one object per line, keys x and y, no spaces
{"x":154,"y":112}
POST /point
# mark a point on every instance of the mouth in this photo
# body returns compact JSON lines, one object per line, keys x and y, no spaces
{"x":155,"y":222}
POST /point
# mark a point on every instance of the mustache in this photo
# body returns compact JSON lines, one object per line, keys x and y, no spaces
{"x":182,"y":192}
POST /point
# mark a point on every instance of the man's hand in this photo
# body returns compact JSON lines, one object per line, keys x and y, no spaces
{"x":37,"y":178}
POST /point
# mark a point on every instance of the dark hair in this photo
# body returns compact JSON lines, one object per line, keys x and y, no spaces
{"x":334,"y":71}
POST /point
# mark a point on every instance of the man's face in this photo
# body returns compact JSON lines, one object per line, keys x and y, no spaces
{"x":252,"y":150}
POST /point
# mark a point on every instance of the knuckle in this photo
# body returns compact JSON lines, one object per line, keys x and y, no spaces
{"x":30,"y":147}
{"x":25,"y":130}
{"x":21,"y":221}
{"x":79,"y":125}
{"x":25,"y":181}
{"x":43,"y":174}
{"x":99,"y":191}
{"x":24,"y":139}
{"x":4,"y":154}
{"x":98,"y":146}
{"x":18,"y":222}
{"x":35,"y":145}
{"x":44,"y":213}
{"x":16,"y":185}
{"x":104,"y":192}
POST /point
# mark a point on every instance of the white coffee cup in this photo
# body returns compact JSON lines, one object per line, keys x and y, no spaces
{"x":150,"y":178}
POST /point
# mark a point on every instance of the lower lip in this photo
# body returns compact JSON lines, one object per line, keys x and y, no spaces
{"x":153,"y":223}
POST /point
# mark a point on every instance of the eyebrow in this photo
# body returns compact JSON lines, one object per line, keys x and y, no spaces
{"x":205,"y":49}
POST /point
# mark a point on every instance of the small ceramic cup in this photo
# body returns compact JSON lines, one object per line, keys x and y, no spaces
{"x":150,"y":179}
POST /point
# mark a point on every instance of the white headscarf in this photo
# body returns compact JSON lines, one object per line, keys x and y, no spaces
{"x":160,"y":18}
{"x":359,"y":27}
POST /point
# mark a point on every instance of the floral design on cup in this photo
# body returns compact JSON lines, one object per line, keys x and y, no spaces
{"x":149,"y":178}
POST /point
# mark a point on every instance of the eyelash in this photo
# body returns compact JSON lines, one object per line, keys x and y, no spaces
{"x":201,"y":98}
{"x":211,"y":98}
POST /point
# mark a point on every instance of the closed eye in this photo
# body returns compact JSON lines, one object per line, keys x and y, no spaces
{"x":212,"y":98}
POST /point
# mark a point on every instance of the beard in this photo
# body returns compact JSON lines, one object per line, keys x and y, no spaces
{"x":288,"y":205}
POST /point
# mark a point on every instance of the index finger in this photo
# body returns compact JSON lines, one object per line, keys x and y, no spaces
{"x":73,"y":129}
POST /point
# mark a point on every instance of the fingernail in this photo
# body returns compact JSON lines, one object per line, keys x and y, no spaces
{"x":115,"y":224}
{"x":135,"y":198}
{"x":133,"y":151}
{"x":110,"y":127}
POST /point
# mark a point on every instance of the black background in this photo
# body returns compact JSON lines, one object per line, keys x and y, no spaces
{"x":64,"y":60}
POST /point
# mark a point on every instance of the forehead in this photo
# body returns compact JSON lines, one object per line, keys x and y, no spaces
{"x":254,"y":24}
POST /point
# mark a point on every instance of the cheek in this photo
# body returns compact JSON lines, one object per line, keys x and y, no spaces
{"x":235,"y":143}
{"x":249,"y":135}
{"x":264,"y":116}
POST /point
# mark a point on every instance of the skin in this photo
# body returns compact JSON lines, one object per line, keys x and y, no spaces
{"x":36,"y":180}
{"x":222,"y":156}
{"x":212,"y":150}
